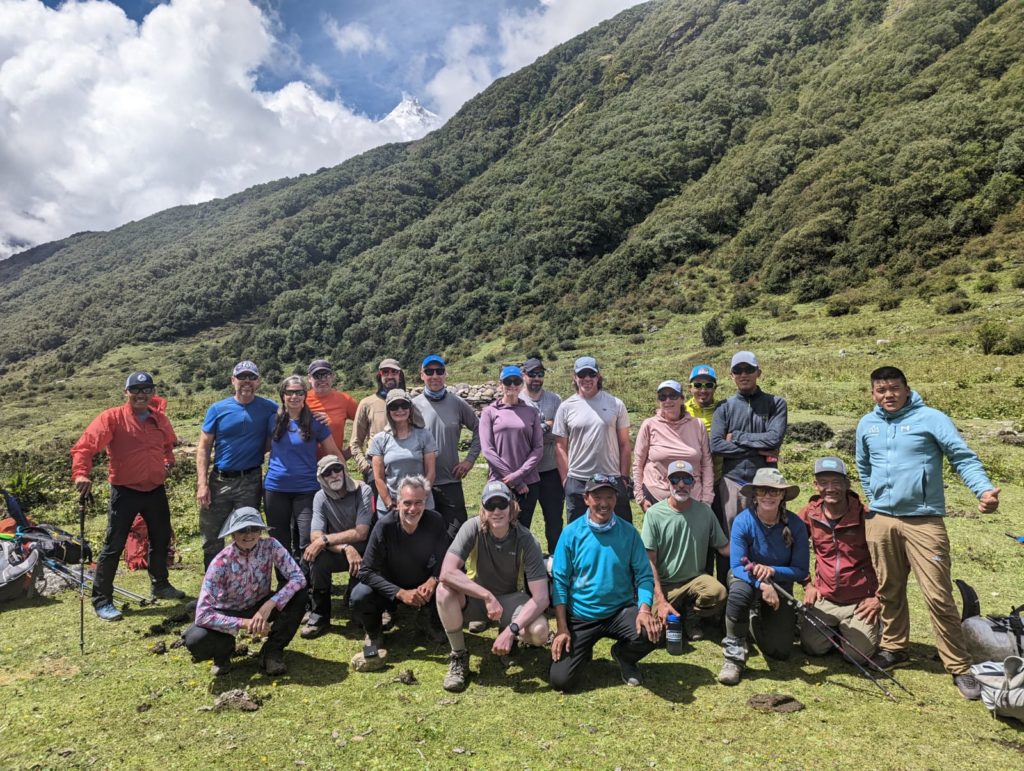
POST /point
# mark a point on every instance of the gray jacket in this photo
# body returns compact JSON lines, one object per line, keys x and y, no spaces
{"x":756,"y":422}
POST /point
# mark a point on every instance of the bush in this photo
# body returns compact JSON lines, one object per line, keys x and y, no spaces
{"x":951,"y":304}
{"x":1012,"y":344}
{"x":889,"y":302}
{"x":993,"y":266}
{"x":986,"y":283}
{"x":29,"y":487}
{"x":989,"y":335}
{"x":636,"y":339}
{"x":839,"y":306}
{"x":1018,"y":279}
{"x":743,"y":297}
{"x":737,"y":324}
{"x":812,"y":287}
{"x":711,"y":333}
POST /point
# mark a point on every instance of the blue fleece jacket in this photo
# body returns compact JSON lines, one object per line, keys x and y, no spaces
{"x":899,"y":460}
{"x":597,"y":574}
{"x":765,"y":545}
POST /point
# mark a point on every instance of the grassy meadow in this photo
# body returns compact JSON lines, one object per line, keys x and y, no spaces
{"x":120,"y":705}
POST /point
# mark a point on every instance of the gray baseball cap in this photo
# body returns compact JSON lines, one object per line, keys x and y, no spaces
{"x":495,"y":489}
{"x":830,"y":464}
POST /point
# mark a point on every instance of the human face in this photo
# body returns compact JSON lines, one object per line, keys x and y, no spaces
{"x":669,"y":403}
{"x":702,"y":389}
{"x":294,"y":397}
{"x":890,"y":395}
{"x":497,"y":514}
{"x":769,"y":499}
{"x":681,"y":487}
{"x":434,"y":376}
{"x":247,"y":538}
{"x":399,"y":412}
{"x":389,"y":377}
{"x":534,"y":380}
{"x":245,"y":384}
{"x":586,"y":381}
{"x":831,"y":487}
{"x":411,"y":503}
{"x":601,"y":503}
{"x":334,"y":477}
{"x":138,"y":397}
{"x":510,"y":387}
{"x":321,"y":382}
{"x":745,"y":377}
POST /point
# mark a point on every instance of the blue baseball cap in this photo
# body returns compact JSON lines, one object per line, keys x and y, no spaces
{"x":703,"y":370}
{"x":245,"y":366}
{"x":585,"y":362}
{"x":510,"y":370}
{"x":432,"y":359}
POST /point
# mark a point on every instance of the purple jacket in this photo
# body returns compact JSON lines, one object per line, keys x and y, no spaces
{"x":512,"y":440}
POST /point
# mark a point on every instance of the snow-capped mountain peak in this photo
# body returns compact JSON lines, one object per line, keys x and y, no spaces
{"x":410,"y":119}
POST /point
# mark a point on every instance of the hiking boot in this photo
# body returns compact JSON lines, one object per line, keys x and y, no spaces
{"x":108,"y":612}
{"x":311,"y":631}
{"x":692,"y":628}
{"x":969,"y":686}
{"x":730,"y":672}
{"x":167,"y":592}
{"x":891,"y":659}
{"x":220,"y":667}
{"x":458,"y":672}
{"x":630,"y":671}
{"x":272,"y":662}
{"x":478,"y":627}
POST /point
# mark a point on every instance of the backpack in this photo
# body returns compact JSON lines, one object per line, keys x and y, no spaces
{"x":1002,"y":686}
{"x":990,"y":638}
{"x":17,"y":571}
{"x":136,"y":548}
{"x":56,"y":544}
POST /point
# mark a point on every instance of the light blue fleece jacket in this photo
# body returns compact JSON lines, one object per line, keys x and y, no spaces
{"x":899,"y":460}
{"x":596,"y":574}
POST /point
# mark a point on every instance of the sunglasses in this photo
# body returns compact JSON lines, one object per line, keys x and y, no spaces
{"x":604,"y":479}
{"x":246,"y":376}
{"x":512,"y":381}
{"x":586,"y":373}
{"x":495,"y":503}
{"x":536,"y":373}
{"x":295,"y":392}
{"x":332,"y":471}
{"x":664,"y":397}
{"x":681,"y":479}
{"x":744,"y":370}
{"x":398,"y":406}
{"x":768,"y":491}
{"x":322,"y":374}
{"x":252,"y":530}
{"x":705,"y":386}
{"x":434,"y":371}
{"x":141,"y":389}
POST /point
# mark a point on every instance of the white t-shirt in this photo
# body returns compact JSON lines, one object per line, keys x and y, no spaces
{"x":592,"y":426}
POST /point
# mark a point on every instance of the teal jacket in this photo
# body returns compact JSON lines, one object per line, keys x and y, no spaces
{"x":899,"y":460}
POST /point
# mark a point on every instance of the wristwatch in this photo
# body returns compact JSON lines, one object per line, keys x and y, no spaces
{"x":326,"y":542}
{"x":514,"y":629}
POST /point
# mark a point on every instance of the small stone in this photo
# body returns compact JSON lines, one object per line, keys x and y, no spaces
{"x":159,"y":648}
{"x":406,"y":677}
{"x":144,"y":707}
{"x":372,"y":664}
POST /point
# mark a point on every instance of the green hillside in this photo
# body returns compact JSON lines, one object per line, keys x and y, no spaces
{"x":790,"y":148}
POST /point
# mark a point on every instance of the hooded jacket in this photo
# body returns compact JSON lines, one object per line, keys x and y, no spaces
{"x":899,"y":460}
{"x":843,"y":572}
{"x":334,"y":512}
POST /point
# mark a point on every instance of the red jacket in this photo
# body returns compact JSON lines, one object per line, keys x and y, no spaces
{"x":139,"y":452}
{"x":843,"y":573}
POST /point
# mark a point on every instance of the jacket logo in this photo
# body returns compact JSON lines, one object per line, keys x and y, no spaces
{"x":874,"y":430}
{"x":906,"y":429}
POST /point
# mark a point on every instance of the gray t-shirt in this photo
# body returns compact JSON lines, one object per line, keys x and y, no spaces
{"x":444,"y":419}
{"x":335,"y":515}
{"x":547,"y":405}
{"x":402,"y":458}
{"x":494,"y":566}
{"x":591,"y":426}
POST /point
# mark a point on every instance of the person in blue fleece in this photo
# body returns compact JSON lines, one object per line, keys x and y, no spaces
{"x":900,"y":447}
{"x":603,"y":587}
{"x":768,"y":545}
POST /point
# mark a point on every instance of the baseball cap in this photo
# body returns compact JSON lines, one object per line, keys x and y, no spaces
{"x":245,"y":366}
{"x":138,"y":379}
{"x":585,"y":362}
{"x":703,"y":370}
{"x":532,"y":363}
{"x":679,"y":467}
{"x":432,"y":359}
{"x":510,"y":371}
{"x":830,"y":464}
{"x":670,"y":384}
{"x":744,"y":357}
{"x":495,"y":489}
{"x":318,"y":365}
{"x":598,"y":481}
{"x":389,"y":364}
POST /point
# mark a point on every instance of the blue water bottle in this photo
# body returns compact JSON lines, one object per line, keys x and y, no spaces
{"x":674,"y":634}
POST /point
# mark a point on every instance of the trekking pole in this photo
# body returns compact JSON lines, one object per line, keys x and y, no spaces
{"x":90,"y":578}
{"x":84,"y":499}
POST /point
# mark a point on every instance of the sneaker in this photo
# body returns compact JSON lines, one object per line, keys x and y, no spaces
{"x":220,"y":667}
{"x":969,"y":686}
{"x":458,"y":672}
{"x":691,"y":627}
{"x":630,"y":672}
{"x":167,"y":592}
{"x":478,"y":627}
{"x":311,"y":631}
{"x":891,"y":659}
{"x":108,"y":612}
{"x":272,"y":662}
{"x":730,"y":673}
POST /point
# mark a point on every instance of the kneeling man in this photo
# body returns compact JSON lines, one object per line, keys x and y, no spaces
{"x":499,"y":555}
{"x":603,"y":587}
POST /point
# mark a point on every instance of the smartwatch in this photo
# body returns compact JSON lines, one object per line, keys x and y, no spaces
{"x":514,"y":629}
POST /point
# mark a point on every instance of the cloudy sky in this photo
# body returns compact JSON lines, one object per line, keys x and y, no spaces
{"x":110,"y":111}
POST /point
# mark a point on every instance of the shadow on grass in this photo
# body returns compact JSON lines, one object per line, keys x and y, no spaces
{"x":303,"y":669}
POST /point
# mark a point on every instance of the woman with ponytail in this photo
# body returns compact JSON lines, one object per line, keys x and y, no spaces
{"x":768,"y":545}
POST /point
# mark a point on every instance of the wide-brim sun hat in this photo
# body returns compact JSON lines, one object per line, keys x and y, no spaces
{"x":770,"y":477}
{"x":241,"y":518}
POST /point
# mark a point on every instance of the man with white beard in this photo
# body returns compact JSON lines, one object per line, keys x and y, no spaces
{"x":678,"y":532}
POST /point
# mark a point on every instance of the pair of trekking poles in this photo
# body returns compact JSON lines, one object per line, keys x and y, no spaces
{"x":839,"y":641}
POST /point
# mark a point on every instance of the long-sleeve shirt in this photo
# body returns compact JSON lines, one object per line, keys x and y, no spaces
{"x":139,"y":450}
{"x":704,"y":415}
{"x":843,"y":572}
{"x":445,"y":418}
{"x":395,"y":559}
{"x":757,"y":422}
{"x":766,"y":545}
{"x":371,"y":418}
{"x":236,"y":580}
{"x":659,"y":442}
{"x":596,"y":574}
{"x":512,"y":440}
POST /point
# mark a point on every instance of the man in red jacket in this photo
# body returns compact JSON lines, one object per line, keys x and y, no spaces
{"x":139,"y":441}
{"x":844,"y":588}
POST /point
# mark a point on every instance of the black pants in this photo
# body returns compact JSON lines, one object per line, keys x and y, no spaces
{"x":575,"y":506}
{"x":773,"y":630}
{"x":368,"y":605}
{"x":552,"y":503}
{"x":450,"y":503}
{"x":621,"y":626}
{"x":326,"y":563}
{"x":527,"y":503}
{"x":289,"y":516}
{"x":206,"y":644}
{"x":125,"y":503}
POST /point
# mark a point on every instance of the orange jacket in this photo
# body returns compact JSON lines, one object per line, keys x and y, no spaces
{"x":139,"y":452}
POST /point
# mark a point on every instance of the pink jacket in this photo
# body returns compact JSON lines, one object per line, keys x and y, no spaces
{"x":660,"y":442}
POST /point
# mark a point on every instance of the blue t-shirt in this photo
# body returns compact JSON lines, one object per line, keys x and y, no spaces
{"x":239,"y":432}
{"x":292,"y":466}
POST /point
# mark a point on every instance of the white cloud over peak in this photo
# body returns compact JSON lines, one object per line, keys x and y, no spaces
{"x":354,"y":37}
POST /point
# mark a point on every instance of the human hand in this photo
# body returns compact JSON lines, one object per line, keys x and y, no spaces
{"x":648,"y":624}
{"x":462,"y":468}
{"x":503,"y":643}
{"x":426,"y":589}
{"x":203,"y":494}
{"x":770,"y":596}
{"x":409,"y":597}
{"x":315,"y":547}
{"x":665,"y":609}
{"x":322,"y":417}
{"x":562,"y":644}
{"x":355,"y":560}
{"x":989,"y":501}
{"x":761,"y":572}
{"x":494,"y":609}
{"x":83,"y":484}
{"x":868,"y":609}
{"x":810,"y":595}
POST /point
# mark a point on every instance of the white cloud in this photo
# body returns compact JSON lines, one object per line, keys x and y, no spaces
{"x":467,"y":70}
{"x":103,"y":120}
{"x":354,"y":37}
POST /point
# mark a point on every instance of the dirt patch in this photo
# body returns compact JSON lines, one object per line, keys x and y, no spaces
{"x":774,"y":702}
{"x":61,"y":667}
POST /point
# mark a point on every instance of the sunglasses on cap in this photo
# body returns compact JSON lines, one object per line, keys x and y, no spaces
{"x":434,"y":371}
{"x":664,"y":396}
{"x":332,"y":471}
{"x":705,"y":386}
{"x":512,"y":381}
{"x":295,"y":392}
{"x":586,"y":373}
{"x":536,"y":373}
{"x":495,"y":503}
{"x":141,"y":389}
{"x":395,"y":406}
{"x":252,"y":530}
{"x":246,"y":376}
{"x":744,"y":369}
{"x":604,"y":479}
{"x":683,"y":479}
